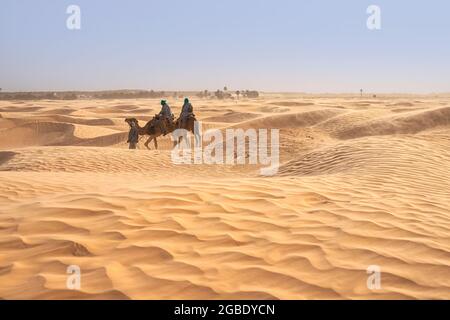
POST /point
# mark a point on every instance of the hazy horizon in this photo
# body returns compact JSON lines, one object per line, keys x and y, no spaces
{"x":356,"y":92}
{"x":270,"y":46}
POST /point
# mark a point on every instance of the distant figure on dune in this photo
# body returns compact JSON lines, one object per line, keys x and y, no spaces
{"x":186,"y":111}
{"x":133,"y":135}
{"x":165,"y":117}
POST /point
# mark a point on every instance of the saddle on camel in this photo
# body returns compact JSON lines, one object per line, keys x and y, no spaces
{"x":163,"y":124}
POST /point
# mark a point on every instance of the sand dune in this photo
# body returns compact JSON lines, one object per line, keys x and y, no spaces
{"x":375,"y":155}
{"x":40,"y":133}
{"x":291,"y":120}
{"x":362,"y":182}
{"x":232,"y":117}
{"x":411,"y":122}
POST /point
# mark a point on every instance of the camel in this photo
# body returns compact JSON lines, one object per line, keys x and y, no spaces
{"x":153,"y":130}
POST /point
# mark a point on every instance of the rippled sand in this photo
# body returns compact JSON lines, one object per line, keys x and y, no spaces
{"x":362,"y":182}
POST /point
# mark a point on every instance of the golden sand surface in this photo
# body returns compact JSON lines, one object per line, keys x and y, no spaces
{"x":362,"y":181}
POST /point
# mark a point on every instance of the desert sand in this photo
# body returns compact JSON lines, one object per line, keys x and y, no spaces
{"x":363,"y":181}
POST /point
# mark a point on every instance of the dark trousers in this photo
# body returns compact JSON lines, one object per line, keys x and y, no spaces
{"x":132,"y":145}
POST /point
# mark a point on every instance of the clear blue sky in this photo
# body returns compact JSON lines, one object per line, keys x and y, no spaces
{"x":270,"y":45}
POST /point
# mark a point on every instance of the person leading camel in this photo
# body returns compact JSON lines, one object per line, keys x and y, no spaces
{"x":133,"y":135}
{"x":165,"y":116}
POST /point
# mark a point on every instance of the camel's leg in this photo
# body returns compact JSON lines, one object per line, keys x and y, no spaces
{"x":147,"y":142}
{"x":156,"y":144}
{"x":188,"y":140}
{"x":177,"y":142}
{"x":197,"y":140}
{"x":196,"y":137}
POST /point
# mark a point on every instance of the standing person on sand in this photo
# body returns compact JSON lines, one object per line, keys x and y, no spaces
{"x":133,"y":135}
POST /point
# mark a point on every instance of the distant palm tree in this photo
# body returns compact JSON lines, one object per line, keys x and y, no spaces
{"x":225,"y":88}
{"x":361,"y":90}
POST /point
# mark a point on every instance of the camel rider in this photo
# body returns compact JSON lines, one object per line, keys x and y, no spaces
{"x":186,"y":111}
{"x":133,"y":135}
{"x":165,"y":116}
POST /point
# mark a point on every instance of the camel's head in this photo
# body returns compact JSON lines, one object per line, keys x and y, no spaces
{"x":130,"y":121}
